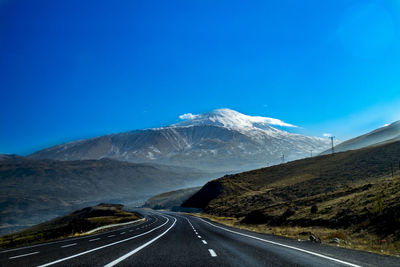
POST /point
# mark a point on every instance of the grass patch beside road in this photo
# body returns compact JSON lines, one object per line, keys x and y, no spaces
{"x":74,"y":224}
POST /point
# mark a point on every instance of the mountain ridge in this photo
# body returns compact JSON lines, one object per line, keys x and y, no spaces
{"x":386,"y":134}
{"x":221,"y":140}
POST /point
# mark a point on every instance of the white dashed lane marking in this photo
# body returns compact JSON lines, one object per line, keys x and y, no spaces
{"x":23,"y":255}
{"x":69,"y":245}
{"x":212,"y":253}
{"x":95,"y":239}
{"x":283,"y":245}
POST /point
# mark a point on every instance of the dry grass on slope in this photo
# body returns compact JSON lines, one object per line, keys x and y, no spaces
{"x":318,"y":177}
{"x":350,"y":195}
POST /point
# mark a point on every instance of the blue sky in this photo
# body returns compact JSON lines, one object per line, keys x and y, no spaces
{"x":78,"y":69}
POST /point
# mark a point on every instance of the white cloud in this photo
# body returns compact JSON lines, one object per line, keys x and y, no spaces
{"x":326,"y":135}
{"x":188,"y":116}
{"x":277,"y":122}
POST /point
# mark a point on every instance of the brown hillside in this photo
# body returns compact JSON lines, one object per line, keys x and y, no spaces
{"x":351,"y":190}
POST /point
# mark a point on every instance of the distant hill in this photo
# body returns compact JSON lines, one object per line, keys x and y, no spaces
{"x":34,"y":190}
{"x":171,"y":199}
{"x":386,"y":134}
{"x":9,"y":156}
{"x":222,"y":140}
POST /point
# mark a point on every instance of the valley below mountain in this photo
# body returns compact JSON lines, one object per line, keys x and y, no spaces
{"x":32,"y":191}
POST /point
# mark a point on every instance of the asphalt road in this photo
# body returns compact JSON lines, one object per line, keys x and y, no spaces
{"x":172,"y":239}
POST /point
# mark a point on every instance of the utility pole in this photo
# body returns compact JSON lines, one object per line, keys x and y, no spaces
{"x":283,"y":158}
{"x":331,"y":137}
{"x":311,"y":153}
{"x":391,"y":165}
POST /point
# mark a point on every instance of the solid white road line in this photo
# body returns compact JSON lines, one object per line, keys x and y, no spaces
{"x":115,"y":262}
{"x":69,"y":245}
{"x":108,"y":245}
{"x":205,"y":242}
{"x":23,"y":255}
{"x":95,"y":239}
{"x":283,"y":245}
{"x":212,"y":253}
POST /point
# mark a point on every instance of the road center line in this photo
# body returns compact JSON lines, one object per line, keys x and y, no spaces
{"x":23,"y":255}
{"x":95,"y":239}
{"x":138,"y":248}
{"x":205,"y":242}
{"x":199,"y":236}
{"x":283,"y":245}
{"x":111,"y":236}
{"x":212,"y":252}
{"x":69,"y":245}
{"x":108,"y":245}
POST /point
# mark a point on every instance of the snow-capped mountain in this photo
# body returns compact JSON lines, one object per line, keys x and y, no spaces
{"x":221,"y":140}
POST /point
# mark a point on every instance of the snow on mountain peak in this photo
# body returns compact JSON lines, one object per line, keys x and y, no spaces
{"x":230,"y":119}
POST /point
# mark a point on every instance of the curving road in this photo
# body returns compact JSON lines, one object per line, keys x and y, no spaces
{"x":172,"y":239}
